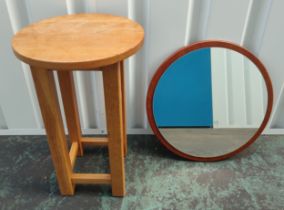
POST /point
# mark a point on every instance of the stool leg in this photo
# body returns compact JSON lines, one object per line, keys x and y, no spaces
{"x":48,"y":101}
{"x":67,"y":88}
{"x":123,"y":108}
{"x":113,"y":101}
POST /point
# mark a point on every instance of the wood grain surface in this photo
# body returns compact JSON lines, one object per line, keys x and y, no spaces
{"x":80,"y":41}
{"x":48,"y":101}
{"x":114,"y":116}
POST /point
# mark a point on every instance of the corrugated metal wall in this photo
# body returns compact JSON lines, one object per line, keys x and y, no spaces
{"x":169,"y":25}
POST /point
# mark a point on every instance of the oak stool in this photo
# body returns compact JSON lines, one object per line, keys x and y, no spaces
{"x":84,"y":42}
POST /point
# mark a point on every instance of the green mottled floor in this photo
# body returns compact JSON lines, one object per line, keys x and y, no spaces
{"x":156,"y":179}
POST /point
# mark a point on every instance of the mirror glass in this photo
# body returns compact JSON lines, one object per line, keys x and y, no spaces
{"x":209,"y":102}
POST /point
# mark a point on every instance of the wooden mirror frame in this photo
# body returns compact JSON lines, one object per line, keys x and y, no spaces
{"x":195,"y":46}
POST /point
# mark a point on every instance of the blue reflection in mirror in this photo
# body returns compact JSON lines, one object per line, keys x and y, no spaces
{"x":183,"y":96}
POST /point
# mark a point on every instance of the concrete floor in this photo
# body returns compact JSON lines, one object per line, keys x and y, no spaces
{"x":156,"y":179}
{"x":207,"y":142}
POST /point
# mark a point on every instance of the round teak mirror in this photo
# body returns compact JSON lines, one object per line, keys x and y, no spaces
{"x":209,"y":101}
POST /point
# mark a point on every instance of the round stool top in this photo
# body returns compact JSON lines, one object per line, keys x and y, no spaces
{"x":80,"y":41}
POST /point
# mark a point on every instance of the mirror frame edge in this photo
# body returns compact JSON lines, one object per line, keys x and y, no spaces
{"x":187,"y":49}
